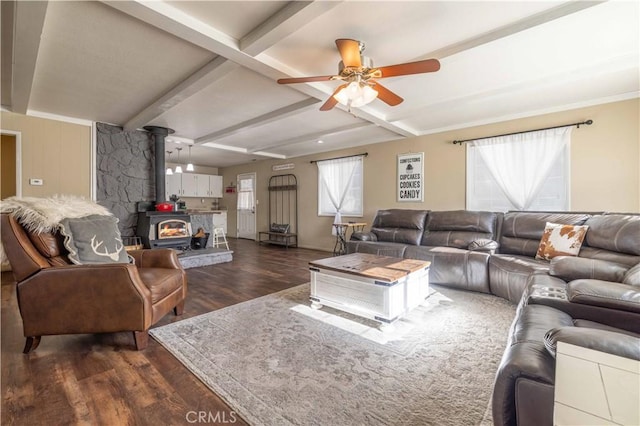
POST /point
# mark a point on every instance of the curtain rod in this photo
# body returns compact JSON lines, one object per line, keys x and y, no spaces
{"x":588,"y":123}
{"x":339,"y":158}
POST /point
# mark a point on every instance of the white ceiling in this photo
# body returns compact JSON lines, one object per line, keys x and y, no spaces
{"x":207,"y":69}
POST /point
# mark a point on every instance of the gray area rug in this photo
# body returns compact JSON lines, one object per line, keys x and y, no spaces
{"x":276,"y":361}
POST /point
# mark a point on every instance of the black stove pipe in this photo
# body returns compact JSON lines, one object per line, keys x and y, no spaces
{"x":159,"y":134}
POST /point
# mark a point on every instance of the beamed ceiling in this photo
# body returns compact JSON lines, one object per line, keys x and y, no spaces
{"x":208,"y":69}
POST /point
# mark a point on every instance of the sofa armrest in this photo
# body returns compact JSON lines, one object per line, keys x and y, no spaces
{"x":604,"y":294}
{"x":364,"y":236}
{"x":483,"y":244}
{"x":610,"y":342}
{"x":571,"y":268}
{"x":157,"y":258}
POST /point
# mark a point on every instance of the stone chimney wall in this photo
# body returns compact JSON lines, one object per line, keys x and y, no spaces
{"x":125,"y":172}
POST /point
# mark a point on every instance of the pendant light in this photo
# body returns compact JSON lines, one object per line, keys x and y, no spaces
{"x":178,"y":167}
{"x":190,"y":164}
{"x":169,"y":171}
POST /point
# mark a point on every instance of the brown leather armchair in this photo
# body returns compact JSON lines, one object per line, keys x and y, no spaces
{"x":57,"y":297}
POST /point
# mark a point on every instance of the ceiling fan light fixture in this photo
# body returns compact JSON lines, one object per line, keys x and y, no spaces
{"x":356,"y":94}
{"x":368,"y":95}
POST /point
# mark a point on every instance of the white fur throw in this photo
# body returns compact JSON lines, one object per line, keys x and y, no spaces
{"x":44,"y":214}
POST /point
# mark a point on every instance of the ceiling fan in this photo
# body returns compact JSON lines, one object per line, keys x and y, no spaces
{"x":360,"y":77}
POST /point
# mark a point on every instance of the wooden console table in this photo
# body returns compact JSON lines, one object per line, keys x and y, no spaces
{"x":340,"y":247}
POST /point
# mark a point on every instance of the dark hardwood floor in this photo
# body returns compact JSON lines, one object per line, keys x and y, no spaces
{"x":102,"y":380}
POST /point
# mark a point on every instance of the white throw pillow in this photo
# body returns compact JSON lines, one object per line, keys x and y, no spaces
{"x":561,"y":240}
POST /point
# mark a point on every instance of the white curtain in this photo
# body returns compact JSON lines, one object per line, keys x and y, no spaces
{"x":336,"y":176}
{"x":520,"y":163}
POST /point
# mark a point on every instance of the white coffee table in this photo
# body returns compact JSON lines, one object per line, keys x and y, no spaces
{"x":380,"y":288}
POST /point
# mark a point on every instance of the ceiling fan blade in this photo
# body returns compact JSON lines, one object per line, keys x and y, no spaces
{"x":386,"y":95}
{"x":428,"y":65}
{"x":304,"y":79}
{"x":331,"y":102}
{"x":349,"y":51}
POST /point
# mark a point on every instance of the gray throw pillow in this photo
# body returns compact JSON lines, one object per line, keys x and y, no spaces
{"x":281,"y":228}
{"x":93,"y":239}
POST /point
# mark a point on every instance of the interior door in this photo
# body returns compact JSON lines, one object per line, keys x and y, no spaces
{"x":247,"y":206}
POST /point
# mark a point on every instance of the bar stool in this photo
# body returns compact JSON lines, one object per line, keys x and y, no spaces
{"x":219,"y":238}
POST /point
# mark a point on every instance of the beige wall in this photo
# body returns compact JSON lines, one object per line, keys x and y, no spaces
{"x":57,"y":152}
{"x":605,"y":169}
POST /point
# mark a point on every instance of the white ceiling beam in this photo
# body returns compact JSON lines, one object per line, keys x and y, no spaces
{"x":313,"y":136}
{"x":205,"y":76}
{"x":28,"y":24}
{"x":242,"y":150}
{"x":510,"y":29}
{"x":290,"y":18}
{"x":496,"y":34}
{"x":281,"y":24}
{"x":180,"y":24}
{"x":279,"y":114}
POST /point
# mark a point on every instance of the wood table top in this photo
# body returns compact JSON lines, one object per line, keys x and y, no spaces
{"x":383,"y":268}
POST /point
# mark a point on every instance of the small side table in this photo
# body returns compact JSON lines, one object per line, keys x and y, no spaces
{"x":340,"y":246}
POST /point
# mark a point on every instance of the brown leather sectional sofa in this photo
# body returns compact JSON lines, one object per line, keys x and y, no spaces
{"x":595,"y":295}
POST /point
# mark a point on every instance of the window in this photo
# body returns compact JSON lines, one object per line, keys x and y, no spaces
{"x":340,"y":187}
{"x":526,"y":171}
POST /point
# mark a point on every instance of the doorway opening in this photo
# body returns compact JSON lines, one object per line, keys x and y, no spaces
{"x":10,"y":170}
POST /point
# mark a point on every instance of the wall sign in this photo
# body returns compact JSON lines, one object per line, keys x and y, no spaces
{"x":278,"y":167}
{"x":410,"y":177}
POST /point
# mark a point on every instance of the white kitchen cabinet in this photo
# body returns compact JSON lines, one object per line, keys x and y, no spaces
{"x":173,"y":185}
{"x":202,"y":184}
{"x":193,"y":185}
{"x":215,"y":186}
{"x":189,"y":185}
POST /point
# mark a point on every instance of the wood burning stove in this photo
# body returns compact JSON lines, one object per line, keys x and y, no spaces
{"x":164,"y":229}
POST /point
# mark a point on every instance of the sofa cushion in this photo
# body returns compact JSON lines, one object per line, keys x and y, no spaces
{"x":51,"y":246}
{"x":399,"y":225}
{"x":93,"y":239}
{"x":632,"y":276}
{"x":615,"y":232}
{"x":522,"y":231}
{"x":615,"y":343}
{"x":458,"y":228}
{"x":454,"y":267}
{"x":379,"y":248}
{"x":560,"y":240}
{"x":571,"y":268}
{"x":483,"y":244}
{"x":508,"y":274}
{"x":400,"y":218}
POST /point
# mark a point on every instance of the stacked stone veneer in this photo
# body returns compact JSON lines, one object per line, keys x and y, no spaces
{"x":125,"y":172}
